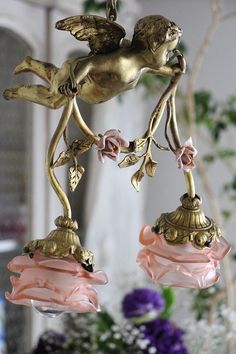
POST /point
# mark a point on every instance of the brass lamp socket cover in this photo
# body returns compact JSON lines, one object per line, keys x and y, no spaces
{"x":60,"y":243}
{"x":188,"y":223}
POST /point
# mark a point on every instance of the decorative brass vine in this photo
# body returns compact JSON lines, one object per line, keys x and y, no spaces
{"x":96,"y":79}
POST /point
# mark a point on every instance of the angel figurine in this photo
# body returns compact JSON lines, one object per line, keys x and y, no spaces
{"x":113,"y":66}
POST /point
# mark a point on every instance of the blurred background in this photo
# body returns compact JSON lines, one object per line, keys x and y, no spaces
{"x":109,"y":211}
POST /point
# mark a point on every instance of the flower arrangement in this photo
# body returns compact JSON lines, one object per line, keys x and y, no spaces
{"x":146,"y":329}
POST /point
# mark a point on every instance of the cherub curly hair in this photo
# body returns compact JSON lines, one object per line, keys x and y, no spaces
{"x":150,"y":32}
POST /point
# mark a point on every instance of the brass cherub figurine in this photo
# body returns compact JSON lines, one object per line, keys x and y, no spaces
{"x":114,"y":64}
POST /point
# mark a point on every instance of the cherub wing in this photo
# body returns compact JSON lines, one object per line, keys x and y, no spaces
{"x":103,"y":36}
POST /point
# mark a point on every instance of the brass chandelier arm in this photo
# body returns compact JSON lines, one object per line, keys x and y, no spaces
{"x":190,"y":184}
{"x":111,"y":11}
{"x":159,"y":109}
{"x":66,"y":114}
{"x":189,"y":180}
{"x":81,"y":123}
{"x":173,"y":121}
{"x":168,"y":98}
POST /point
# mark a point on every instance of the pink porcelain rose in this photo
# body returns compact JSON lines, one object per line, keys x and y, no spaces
{"x":51,"y":284}
{"x":180,"y":265}
{"x":110,"y":145}
{"x":185,"y":155}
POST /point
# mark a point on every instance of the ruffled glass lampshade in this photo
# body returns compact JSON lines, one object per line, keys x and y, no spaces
{"x":180,"y":265}
{"x":53,"y":286}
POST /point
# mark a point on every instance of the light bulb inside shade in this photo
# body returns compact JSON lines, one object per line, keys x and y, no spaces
{"x":46,"y":309}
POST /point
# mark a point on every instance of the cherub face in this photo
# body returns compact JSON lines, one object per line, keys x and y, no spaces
{"x":173,"y":35}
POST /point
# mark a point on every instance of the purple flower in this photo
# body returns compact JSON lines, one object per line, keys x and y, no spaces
{"x":165,"y":337}
{"x":141,"y":302}
{"x":110,"y":144}
{"x":50,"y":342}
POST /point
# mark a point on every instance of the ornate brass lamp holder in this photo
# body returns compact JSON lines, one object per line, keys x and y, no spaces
{"x":96,"y":79}
{"x":188,"y":223}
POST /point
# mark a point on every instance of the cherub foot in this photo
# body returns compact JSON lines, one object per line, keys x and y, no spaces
{"x":23,"y":66}
{"x":9,"y":94}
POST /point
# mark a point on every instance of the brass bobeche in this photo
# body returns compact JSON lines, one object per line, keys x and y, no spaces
{"x":188,"y":223}
{"x":62,"y":242}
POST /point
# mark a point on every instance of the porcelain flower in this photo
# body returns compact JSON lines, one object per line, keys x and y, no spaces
{"x":110,"y":145}
{"x":185,"y":155}
{"x":53,"y":284}
{"x":180,"y":265}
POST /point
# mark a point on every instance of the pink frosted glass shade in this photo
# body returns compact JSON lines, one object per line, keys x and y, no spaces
{"x":180,"y":265}
{"x":51,"y":284}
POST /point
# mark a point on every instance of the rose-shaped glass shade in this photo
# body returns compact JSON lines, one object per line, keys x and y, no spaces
{"x":53,"y":286}
{"x":180,"y":265}
{"x":110,"y":144}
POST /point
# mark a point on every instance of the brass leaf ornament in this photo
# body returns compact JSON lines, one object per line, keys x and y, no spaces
{"x":136,"y":179}
{"x":129,"y":160}
{"x":75,"y":175}
{"x":150,"y":167}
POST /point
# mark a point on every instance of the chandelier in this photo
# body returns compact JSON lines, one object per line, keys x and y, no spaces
{"x":184,"y":247}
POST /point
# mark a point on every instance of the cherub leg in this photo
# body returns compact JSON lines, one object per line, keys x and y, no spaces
{"x":46,"y":71}
{"x":37,"y":94}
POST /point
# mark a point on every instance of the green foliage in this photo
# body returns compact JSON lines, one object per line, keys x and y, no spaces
{"x":221,"y":154}
{"x":97,"y":6}
{"x":96,"y":333}
{"x":169,"y":298}
{"x":214,"y":117}
{"x":226,"y":154}
{"x":231,"y":186}
{"x":151,"y":83}
{"x":202,"y":301}
{"x":182,"y":47}
{"x":206,"y":108}
{"x":94,"y":6}
{"x":233,"y":256}
{"x":226,"y":214}
{"x":229,"y":111}
{"x":209,"y":158}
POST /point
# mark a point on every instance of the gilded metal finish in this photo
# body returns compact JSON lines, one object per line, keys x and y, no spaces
{"x":62,"y":242}
{"x":188,"y":223}
{"x":111,"y":11}
{"x":109,"y":69}
{"x":114,"y":65}
{"x":50,"y":159}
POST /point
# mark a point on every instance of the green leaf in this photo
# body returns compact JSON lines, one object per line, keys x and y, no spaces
{"x":218,"y":128}
{"x":205,"y":107}
{"x":104,"y":322}
{"x":233,"y":256}
{"x":169,"y":298}
{"x":94,"y":6}
{"x":182,"y":47}
{"x":229,"y":111}
{"x":227,"y":153}
{"x":226,"y":213}
{"x":209,"y":158}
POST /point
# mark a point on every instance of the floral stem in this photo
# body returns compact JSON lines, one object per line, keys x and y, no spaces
{"x":50,"y":158}
{"x":82,"y":125}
